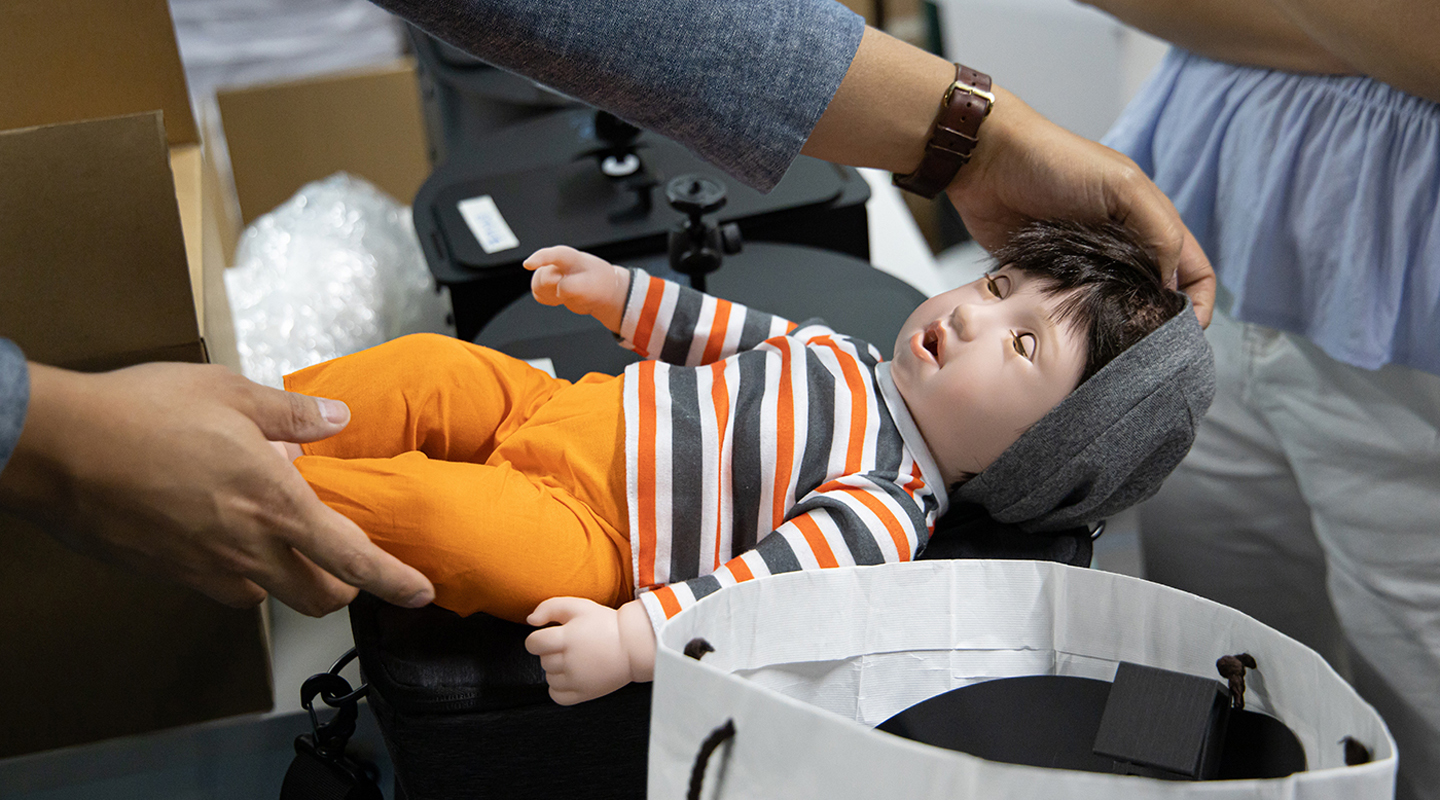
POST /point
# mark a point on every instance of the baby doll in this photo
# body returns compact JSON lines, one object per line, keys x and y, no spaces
{"x":746,"y":445}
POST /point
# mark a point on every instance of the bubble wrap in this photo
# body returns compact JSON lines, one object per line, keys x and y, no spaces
{"x":335,"y":269}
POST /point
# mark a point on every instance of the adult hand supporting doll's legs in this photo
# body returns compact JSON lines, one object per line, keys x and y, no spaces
{"x":595,"y":650}
{"x":166,"y":468}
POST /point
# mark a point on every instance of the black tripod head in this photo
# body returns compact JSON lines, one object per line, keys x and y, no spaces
{"x":697,"y":246}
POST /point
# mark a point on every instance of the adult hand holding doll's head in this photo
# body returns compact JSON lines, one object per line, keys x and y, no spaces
{"x":1026,"y":168}
{"x":1023,"y":167}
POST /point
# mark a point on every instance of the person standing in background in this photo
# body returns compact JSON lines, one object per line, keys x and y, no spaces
{"x":1300,"y":140}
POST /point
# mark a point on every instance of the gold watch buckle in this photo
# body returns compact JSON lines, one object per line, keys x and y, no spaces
{"x":970,"y":90}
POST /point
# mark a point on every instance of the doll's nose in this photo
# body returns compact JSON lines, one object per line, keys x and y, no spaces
{"x":967,"y":319}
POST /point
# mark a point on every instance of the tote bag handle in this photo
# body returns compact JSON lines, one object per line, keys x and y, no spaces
{"x":717,"y":737}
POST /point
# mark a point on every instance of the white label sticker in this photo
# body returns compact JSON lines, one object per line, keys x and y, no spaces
{"x":543,"y":364}
{"x":485,"y":222}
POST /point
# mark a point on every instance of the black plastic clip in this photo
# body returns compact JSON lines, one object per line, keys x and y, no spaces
{"x":321,"y":768}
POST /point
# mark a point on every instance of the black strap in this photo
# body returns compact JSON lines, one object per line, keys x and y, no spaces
{"x":321,"y":769}
{"x":716,"y":738}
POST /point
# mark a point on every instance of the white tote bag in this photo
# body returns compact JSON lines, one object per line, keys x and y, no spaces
{"x":805,"y":664}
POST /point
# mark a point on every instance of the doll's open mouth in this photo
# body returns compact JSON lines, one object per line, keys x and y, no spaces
{"x":931,"y":342}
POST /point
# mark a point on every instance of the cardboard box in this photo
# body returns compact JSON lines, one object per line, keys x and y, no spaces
{"x":113,"y":255}
{"x":110,"y":254}
{"x":283,"y":135}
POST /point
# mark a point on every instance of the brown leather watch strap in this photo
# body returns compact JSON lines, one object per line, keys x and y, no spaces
{"x":953,"y":138}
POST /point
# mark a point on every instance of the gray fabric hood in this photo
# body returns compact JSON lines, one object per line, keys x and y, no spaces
{"x":1110,"y":443}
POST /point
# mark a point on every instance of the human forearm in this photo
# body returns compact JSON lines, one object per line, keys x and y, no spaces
{"x":1253,"y":32}
{"x":882,"y":112}
{"x":34,"y":479}
{"x":740,"y":82}
{"x":1389,"y":40}
{"x":748,"y":83}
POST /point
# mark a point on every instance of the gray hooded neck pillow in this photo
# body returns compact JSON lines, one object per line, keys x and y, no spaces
{"x":1110,"y":443}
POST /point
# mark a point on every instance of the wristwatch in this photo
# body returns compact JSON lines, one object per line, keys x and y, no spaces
{"x":966,"y":104}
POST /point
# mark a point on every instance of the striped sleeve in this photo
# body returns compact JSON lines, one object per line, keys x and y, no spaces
{"x":855,"y":520}
{"x":678,"y":325}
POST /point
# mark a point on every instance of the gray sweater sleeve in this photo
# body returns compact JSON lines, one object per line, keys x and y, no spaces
{"x":14,"y":397}
{"x":740,"y":82}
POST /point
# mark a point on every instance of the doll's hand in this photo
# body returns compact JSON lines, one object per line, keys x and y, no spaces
{"x":594,"y":650}
{"x":583,"y":283}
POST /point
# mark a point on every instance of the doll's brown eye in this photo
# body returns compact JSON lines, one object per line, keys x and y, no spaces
{"x":992,"y":285}
{"x":1024,"y":347}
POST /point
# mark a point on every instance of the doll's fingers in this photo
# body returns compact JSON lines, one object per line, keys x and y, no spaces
{"x":565,"y":692}
{"x":554,"y":665}
{"x":558,"y":255}
{"x":566,"y":697}
{"x":563,"y":683}
{"x":539,"y":258}
{"x":544,"y":285}
{"x":559,"y":609}
{"x":575,"y":294}
{"x":543,"y":614}
{"x":545,"y":641}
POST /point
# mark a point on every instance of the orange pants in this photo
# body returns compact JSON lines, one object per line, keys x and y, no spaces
{"x":503,"y":485}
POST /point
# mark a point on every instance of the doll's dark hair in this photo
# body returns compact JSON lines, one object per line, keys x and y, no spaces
{"x":1110,"y":284}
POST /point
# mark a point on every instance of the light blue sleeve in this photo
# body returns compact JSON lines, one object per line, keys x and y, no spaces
{"x":740,"y":82}
{"x":14,"y":397}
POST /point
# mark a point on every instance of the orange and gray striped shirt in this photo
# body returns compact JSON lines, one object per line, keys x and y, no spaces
{"x":754,"y":446}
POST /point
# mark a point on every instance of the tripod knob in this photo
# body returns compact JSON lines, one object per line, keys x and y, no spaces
{"x":695,"y":195}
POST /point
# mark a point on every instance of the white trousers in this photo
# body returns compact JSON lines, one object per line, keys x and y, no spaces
{"x":1311,"y":501}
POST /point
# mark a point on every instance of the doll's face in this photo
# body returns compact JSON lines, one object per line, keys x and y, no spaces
{"x":979,"y":365}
